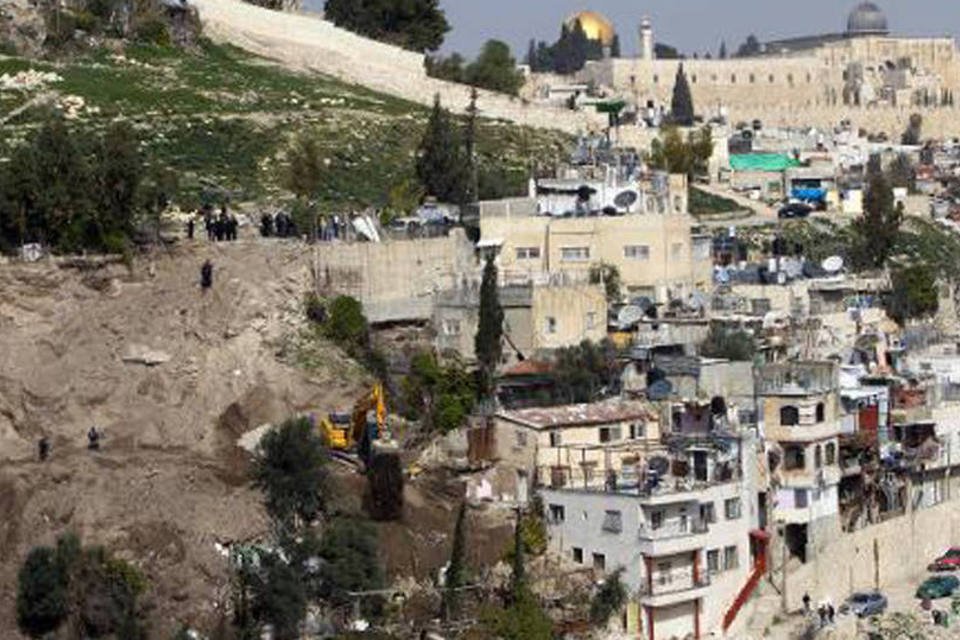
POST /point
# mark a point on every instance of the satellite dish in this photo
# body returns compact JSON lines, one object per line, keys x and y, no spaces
{"x":659,"y":464}
{"x":626,"y":199}
{"x":629,"y":316}
{"x":659,"y":390}
{"x":644,"y":303}
{"x":833,"y":264}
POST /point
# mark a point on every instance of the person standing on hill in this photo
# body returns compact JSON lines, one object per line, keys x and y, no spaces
{"x":206,"y":275}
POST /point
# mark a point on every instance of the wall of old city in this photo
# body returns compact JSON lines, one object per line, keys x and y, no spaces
{"x":311,"y":43}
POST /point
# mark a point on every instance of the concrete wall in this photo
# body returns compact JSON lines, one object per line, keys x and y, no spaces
{"x":394,"y":280}
{"x":565,"y":316}
{"x":905,"y":545}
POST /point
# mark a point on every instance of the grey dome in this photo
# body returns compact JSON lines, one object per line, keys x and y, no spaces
{"x":865,"y":18}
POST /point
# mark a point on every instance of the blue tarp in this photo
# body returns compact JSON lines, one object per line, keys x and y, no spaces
{"x":809,"y":195}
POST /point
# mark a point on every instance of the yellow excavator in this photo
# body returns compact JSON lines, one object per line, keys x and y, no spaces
{"x":342,"y":431}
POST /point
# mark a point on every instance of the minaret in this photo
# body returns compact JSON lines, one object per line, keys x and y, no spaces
{"x":646,"y":39}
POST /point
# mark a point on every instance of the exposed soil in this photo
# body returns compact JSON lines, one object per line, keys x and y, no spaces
{"x":169,"y":481}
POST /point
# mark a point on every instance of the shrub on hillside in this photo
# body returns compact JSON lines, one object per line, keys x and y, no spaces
{"x":291,"y":471}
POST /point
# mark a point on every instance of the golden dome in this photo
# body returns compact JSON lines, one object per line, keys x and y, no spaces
{"x":596,"y":26}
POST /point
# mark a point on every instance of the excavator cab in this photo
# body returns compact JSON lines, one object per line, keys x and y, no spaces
{"x":336,"y":430}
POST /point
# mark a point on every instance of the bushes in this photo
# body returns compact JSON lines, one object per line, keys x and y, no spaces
{"x":443,"y":394}
{"x":608,"y":600}
{"x":291,"y":471}
{"x":88,"y":585}
{"x":729,"y":345}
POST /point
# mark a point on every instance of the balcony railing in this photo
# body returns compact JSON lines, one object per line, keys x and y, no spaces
{"x":674,"y":585}
{"x":673,"y":530}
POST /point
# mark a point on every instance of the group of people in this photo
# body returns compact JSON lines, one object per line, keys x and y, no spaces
{"x":219,"y":228}
{"x":44,"y":448}
{"x":279,"y":225}
{"x":826,"y":614}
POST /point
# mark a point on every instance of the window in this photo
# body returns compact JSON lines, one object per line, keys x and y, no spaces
{"x":753,"y":78}
{"x":693,"y":78}
{"x":731,"y":559}
{"x":831,"y":453}
{"x":790,"y":79}
{"x":656,"y":519}
{"x":636,"y":252}
{"x":591,"y":320}
{"x":555,"y":439}
{"x":451,"y":327}
{"x":656,"y":79}
{"x":664,"y":575}
{"x":817,"y":457}
{"x":713,"y":561}
{"x":708,"y":513}
{"x":521,"y":438}
{"x":578,"y":555}
{"x":771,"y":78}
{"x":551,"y":325}
{"x":637,"y":430}
{"x":599,"y":562}
{"x":789,"y":416}
{"x":821,"y":412}
{"x":677,"y":205}
{"x":732,"y":508}
{"x":733,"y":78}
{"x":557,"y":513}
{"x":575,"y":254}
{"x":528,"y":253}
{"x":794,"y":458}
{"x":683,"y":523}
{"x":800,"y":498}
{"x":610,"y":434}
{"x":612,"y":522}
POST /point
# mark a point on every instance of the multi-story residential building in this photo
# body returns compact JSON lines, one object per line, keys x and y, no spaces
{"x":677,"y":524}
{"x":538,"y":316}
{"x":578,"y":444}
{"x":798,"y":409}
{"x":650,"y":242}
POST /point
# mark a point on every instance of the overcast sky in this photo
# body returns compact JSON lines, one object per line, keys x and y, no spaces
{"x":691,"y":25}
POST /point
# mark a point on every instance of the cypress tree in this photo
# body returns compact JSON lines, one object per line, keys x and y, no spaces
{"x":681,"y":107}
{"x":532,"y":56}
{"x":723,"y":50}
{"x":518,"y":575}
{"x":457,"y":567}
{"x":487,"y":343}
{"x":615,"y":46}
{"x":440,"y":164}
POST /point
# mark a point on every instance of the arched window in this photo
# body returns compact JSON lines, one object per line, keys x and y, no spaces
{"x":753,"y":78}
{"x":789,"y":416}
{"x":817,"y":457}
{"x":821,"y":412}
{"x":771,"y":78}
{"x":831,"y":453}
{"x":733,"y":78}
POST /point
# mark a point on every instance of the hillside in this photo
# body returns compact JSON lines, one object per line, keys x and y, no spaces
{"x":222,"y":118}
{"x":169,"y":482}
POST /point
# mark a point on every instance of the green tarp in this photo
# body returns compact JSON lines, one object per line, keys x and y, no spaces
{"x":762,"y":162}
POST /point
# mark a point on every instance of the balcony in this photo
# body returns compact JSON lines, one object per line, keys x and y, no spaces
{"x":673,"y":538}
{"x":677,"y":590}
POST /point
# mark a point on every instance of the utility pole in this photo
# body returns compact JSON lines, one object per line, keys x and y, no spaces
{"x":783,"y":569}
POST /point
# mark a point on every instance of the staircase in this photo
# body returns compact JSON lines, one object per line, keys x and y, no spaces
{"x":756,"y":574}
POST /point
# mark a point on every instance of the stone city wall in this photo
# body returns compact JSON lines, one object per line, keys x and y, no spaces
{"x":310,"y":43}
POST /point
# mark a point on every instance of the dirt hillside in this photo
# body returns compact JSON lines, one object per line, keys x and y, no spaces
{"x":169,"y":482}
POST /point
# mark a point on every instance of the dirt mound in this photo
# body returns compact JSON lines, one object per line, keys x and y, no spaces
{"x":169,"y":482}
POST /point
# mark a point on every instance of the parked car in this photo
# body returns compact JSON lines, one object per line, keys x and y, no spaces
{"x":794,"y":210}
{"x":865,"y":604}
{"x":938,"y":587}
{"x":949,"y":561}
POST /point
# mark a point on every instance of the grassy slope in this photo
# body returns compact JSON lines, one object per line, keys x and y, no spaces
{"x":222,"y":117}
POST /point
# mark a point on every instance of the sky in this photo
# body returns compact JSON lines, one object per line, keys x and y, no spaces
{"x":691,"y":25}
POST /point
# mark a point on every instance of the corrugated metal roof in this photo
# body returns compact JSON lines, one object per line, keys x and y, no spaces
{"x":606,"y":412}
